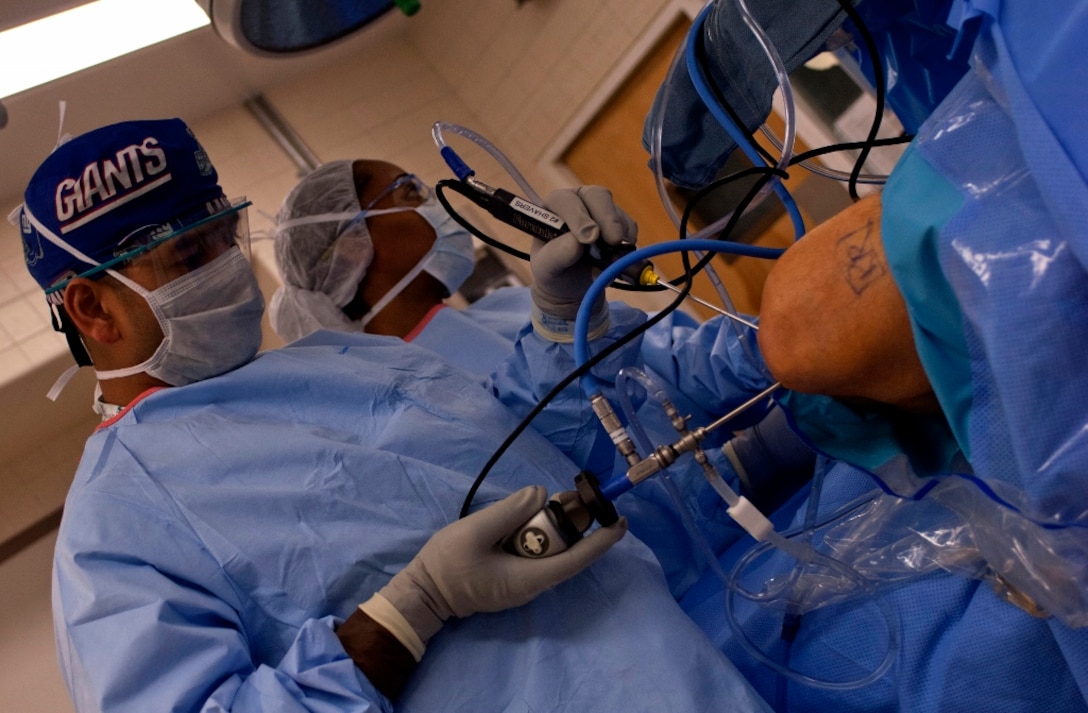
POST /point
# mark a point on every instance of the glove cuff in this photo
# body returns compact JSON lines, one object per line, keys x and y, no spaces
{"x":384,"y":613}
{"x":557,"y":329}
{"x":414,"y":595}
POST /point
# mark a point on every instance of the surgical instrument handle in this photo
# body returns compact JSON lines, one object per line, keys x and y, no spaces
{"x":517,"y":212}
{"x":542,"y":224}
{"x":666,"y":455}
{"x":562,"y":520}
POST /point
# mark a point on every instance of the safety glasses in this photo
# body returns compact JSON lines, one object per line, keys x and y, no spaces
{"x":406,"y":191}
{"x":167,"y":251}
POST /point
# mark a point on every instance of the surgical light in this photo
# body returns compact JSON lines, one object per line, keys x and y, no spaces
{"x":280,"y":28}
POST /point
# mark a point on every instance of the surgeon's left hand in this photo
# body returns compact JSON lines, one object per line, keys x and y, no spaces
{"x":463,"y":570}
{"x":562,"y":271}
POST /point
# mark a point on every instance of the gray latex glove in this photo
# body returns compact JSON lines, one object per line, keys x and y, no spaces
{"x":462,"y":570}
{"x":562,"y":271}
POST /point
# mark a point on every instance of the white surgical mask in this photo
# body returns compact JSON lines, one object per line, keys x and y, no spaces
{"x":450,"y":260}
{"x":210,"y":319}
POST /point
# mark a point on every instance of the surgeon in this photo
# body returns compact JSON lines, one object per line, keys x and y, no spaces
{"x":269,"y":531}
{"x":928,"y":341}
{"x":363,"y":246}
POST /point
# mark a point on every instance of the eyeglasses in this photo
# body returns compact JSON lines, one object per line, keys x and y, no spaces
{"x":406,"y":191}
{"x":403,"y":194}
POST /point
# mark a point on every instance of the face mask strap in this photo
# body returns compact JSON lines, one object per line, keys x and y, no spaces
{"x":52,"y":237}
{"x":63,"y":323}
{"x":311,"y":219}
{"x":129,"y":283}
{"x":336,"y":218}
{"x":394,"y":291}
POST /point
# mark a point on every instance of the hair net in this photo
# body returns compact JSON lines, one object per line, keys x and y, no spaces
{"x":321,"y":266}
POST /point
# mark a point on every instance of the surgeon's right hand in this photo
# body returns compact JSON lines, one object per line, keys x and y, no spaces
{"x":562,"y":269}
{"x":463,"y":570}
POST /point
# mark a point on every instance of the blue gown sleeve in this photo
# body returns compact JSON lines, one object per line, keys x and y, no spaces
{"x":537,"y":365}
{"x":716,"y":364}
{"x":136,"y":633}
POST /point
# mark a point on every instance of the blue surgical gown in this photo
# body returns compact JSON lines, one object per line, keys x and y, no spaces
{"x":215,"y":534}
{"x":478,"y":337}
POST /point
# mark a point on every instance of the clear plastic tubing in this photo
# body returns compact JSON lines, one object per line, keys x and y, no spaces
{"x":657,"y":124}
{"x":627,"y":374}
{"x":437,"y":132}
{"x":698,"y":79}
{"x":656,"y":131}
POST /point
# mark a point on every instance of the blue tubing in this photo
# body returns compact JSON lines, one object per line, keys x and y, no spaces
{"x":698,"y":80}
{"x":581,"y":324}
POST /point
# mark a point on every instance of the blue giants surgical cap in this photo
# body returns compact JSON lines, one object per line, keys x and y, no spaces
{"x":103,"y":191}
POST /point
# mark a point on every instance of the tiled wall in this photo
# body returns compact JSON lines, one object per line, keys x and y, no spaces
{"x":539,"y":64}
{"x":26,"y":339}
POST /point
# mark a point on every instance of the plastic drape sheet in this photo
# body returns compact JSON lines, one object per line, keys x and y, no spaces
{"x":920,"y":55}
{"x":694,"y":144}
{"x":957,"y":527}
{"x":1013,"y":255}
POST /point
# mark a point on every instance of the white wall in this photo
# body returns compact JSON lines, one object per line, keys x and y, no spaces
{"x":29,"y":679}
{"x":516,"y":74}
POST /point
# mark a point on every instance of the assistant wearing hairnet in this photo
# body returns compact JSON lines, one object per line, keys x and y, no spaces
{"x":323,"y":250}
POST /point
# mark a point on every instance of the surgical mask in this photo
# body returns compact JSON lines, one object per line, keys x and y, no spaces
{"x":210,"y":319}
{"x":450,"y":260}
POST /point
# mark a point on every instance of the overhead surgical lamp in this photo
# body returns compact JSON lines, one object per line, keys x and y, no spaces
{"x":280,"y":28}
